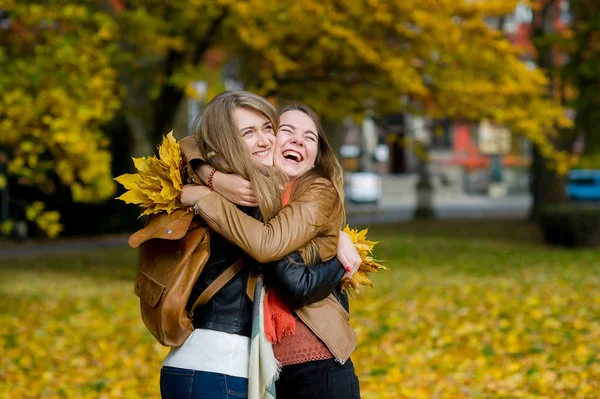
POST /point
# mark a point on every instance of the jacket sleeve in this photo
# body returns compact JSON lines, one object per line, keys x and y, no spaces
{"x":300,"y":284}
{"x":292,"y":228}
{"x":191,"y":155}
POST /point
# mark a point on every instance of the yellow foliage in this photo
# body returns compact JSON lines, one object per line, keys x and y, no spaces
{"x":57,"y":87}
{"x":368,"y":264}
{"x":157,"y":186}
{"x":331,"y":55}
{"x":47,"y":221}
{"x":34,"y":210}
{"x":442,"y":55}
{"x":7,"y":227}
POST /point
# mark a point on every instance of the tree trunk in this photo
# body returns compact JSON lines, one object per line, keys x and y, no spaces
{"x":536,"y":182}
{"x":583,"y":62}
{"x":151,"y":118}
{"x":137,"y":107}
{"x":164,"y":110}
{"x":546,"y":186}
{"x":141,"y":144}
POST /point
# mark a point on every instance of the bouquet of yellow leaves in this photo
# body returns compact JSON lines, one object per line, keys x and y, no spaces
{"x":368,"y":265}
{"x":157,"y":185}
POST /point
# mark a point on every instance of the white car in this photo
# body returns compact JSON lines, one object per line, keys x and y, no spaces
{"x":363,"y":187}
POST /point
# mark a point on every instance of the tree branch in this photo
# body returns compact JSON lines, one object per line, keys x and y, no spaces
{"x":166,"y":105}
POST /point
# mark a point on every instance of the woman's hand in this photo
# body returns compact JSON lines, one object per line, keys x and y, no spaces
{"x":234,"y":188}
{"x":348,"y":255}
{"x":192,"y":193}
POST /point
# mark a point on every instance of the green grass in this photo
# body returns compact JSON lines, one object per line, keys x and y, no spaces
{"x":468,"y":309}
{"x":476,"y":248}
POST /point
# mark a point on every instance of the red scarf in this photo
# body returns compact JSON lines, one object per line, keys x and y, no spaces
{"x":279,"y":319}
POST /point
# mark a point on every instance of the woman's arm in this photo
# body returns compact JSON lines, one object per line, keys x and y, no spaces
{"x":233,"y":187}
{"x":292,"y":228}
{"x":300,"y":284}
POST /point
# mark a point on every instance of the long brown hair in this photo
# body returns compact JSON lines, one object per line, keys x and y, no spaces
{"x":217,"y":134}
{"x":326,"y":166}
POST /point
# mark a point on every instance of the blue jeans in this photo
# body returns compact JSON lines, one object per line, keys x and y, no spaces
{"x":176,"y":383}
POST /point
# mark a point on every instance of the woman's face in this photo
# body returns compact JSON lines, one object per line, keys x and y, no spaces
{"x":257,"y":133}
{"x":297,"y":143}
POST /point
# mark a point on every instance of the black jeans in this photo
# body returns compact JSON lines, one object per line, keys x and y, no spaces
{"x":319,"y":379}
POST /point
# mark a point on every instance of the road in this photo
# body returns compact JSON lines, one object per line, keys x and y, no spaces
{"x":358,"y":215}
{"x":397,"y":205}
{"x":448,"y":207}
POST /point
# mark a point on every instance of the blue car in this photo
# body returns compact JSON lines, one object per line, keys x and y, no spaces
{"x":584,"y":185}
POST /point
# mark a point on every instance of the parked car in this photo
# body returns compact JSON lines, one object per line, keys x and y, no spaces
{"x":363,"y":187}
{"x":584,"y":185}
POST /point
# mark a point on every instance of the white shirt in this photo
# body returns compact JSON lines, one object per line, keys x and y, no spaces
{"x":212,"y":351}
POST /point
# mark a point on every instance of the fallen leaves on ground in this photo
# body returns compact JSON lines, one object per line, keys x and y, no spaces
{"x":452,"y":318}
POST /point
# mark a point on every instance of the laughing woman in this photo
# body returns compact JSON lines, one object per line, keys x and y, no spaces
{"x":239,"y":128}
{"x":316,"y":358}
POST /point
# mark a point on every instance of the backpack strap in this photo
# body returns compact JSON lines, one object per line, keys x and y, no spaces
{"x":218,"y":283}
{"x":252,"y":279}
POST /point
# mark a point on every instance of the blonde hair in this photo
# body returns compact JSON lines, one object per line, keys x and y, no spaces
{"x":326,"y":166}
{"x":217,"y":134}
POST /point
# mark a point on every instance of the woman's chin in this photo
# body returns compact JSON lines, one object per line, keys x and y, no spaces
{"x":268,"y":161}
{"x":293,"y":171}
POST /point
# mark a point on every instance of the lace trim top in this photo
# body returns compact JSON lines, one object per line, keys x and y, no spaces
{"x":304,"y":346}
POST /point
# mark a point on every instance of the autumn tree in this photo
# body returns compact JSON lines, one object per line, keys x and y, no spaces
{"x":583,"y":70}
{"x":56,"y":87}
{"x":571,"y":58}
{"x":339,"y":57}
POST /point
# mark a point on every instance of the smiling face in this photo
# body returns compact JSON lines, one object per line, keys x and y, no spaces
{"x":257,"y":133}
{"x":296,"y":145}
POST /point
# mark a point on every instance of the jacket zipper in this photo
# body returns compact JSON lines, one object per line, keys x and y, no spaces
{"x":221,"y":231}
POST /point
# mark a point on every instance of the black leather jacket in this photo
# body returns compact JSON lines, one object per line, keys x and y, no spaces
{"x":230,"y":310}
{"x":299,"y":284}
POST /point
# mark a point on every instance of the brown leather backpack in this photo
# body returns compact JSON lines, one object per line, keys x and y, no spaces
{"x":174,"y":250}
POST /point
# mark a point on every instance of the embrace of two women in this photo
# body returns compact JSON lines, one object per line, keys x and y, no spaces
{"x":271,"y":190}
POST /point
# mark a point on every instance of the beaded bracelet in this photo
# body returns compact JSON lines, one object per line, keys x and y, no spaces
{"x":210,"y":179}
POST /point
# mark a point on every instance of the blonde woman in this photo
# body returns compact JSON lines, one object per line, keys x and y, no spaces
{"x":213,"y":362}
{"x":316,"y":358}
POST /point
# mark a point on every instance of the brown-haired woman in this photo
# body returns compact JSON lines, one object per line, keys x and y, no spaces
{"x":316,"y":360}
{"x":237,"y":136}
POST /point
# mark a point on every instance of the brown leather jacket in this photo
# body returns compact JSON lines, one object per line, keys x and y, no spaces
{"x":306,"y":218}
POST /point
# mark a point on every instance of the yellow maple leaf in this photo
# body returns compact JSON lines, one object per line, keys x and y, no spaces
{"x":157,"y":185}
{"x":368,"y":265}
